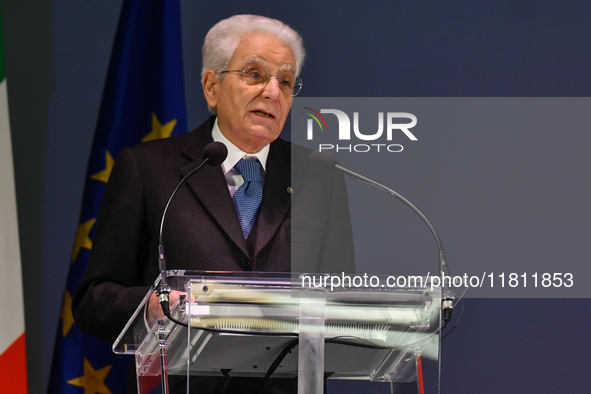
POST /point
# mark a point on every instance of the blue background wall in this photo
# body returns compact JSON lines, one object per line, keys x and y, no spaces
{"x":56,"y":60}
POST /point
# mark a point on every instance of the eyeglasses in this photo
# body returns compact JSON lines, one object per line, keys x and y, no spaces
{"x":255,"y":77}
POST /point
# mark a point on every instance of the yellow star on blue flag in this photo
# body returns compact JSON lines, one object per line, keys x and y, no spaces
{"x":93,"y":381}
{"x":66,"y":314}
{"x":104,"y":175}
{"x":82,"y":239}
{"x":159,"y":130}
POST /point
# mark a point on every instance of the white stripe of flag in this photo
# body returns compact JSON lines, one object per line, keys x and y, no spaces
{"x":11,"y":289}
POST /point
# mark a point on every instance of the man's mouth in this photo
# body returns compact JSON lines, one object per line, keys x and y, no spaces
{"x":263,"y":113}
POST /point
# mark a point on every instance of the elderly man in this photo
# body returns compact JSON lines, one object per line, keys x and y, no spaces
{"x":250,"y":75}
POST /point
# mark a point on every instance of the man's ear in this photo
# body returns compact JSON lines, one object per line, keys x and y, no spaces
{"x":210,"y":88}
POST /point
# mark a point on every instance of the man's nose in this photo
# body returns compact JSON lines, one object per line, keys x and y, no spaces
{"x":272,"y":89}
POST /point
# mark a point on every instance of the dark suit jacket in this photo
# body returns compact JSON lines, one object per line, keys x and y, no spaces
{"x":202,"y":231}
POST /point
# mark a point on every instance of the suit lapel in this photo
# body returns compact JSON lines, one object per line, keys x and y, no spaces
{"x":276,"y":198}
{"x":210,"y":187}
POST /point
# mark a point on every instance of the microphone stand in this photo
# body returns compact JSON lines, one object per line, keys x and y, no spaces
{"x":447,"y":297}
{"x":215,"y":153}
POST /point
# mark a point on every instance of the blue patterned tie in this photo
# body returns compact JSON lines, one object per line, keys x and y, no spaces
{"x":247,"y":199}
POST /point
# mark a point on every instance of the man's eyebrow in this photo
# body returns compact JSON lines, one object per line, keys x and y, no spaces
{"x":256,"y":60}
{"x":287,"y":67}
{"x":262,"y":63}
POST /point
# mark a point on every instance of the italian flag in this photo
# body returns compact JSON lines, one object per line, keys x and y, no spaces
{"x":13,"y":362}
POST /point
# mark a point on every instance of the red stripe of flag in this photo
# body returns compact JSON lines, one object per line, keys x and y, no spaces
{"x":13,"y":367}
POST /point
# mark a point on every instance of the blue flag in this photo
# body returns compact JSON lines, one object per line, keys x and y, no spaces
{"x":143,"y":99}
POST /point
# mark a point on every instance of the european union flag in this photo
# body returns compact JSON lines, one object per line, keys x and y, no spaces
{"x":143,"y":99}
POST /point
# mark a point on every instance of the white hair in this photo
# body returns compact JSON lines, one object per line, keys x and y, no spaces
{"x":224,"y":37}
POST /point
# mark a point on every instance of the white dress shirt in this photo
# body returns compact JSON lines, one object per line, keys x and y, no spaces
{"x":235,"y":154}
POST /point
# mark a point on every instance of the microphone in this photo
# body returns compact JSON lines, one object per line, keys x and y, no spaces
{"x":326,"y":161}
{"x":323,"y":161}
{"x":214,"y":154}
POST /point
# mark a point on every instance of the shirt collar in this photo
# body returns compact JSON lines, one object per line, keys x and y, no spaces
{"x":235,"y":154}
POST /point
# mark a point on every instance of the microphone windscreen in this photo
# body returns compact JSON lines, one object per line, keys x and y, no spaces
{"x":324,"y":161}
{"x":216,"y":152}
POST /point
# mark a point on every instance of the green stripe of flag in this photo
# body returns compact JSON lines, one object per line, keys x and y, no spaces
{"x":2,"y":71}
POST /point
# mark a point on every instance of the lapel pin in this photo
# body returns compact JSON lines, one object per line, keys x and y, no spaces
{"x":289,"y":190}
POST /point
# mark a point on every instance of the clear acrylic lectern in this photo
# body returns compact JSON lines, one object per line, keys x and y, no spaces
{"x":287,"y":326}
